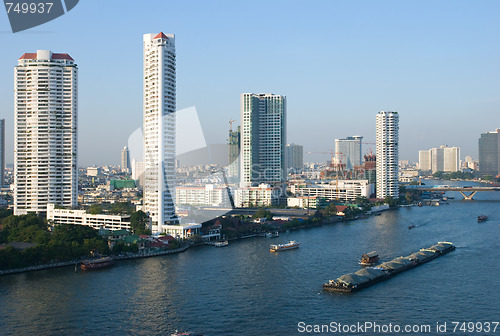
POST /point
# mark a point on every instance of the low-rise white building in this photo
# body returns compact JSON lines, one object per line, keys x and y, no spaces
{"x":345,"y":190}
{"x":253,"y":196}
{"x":209,"y":194}
{"x":81,"y":217}
{"x":182,"y":231}
{"x":303,"y":202}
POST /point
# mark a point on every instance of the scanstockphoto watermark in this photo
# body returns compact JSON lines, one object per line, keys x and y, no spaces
{"x":26,"y":14}
{"x":362,"y":327}
{"x":372,"y":327}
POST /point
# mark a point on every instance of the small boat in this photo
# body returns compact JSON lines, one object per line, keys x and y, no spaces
{"x":482,"y":218}
{"x":221,"y":243}
{"x":378,"y":214}
{"x":411,"y":227}
{"x":177,"y":333}
{"x":272,"y":234}
{"x":93,"y":264}
{"x":369,"y":258}
{"x":282,"y":247}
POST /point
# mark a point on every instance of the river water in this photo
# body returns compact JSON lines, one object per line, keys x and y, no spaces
{"x":243,"y":289}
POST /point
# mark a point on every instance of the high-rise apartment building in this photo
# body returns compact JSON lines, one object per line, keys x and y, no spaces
{"x":294,"y":156}
{"x":125,"y":162}
{"x":444,"y":158}
{"x":387,"y":154}
{"x":234,"y":153}
{"x":159,"y":129}
{"x":489,"y":153}
{"x":2,"y":153}
{"x":424,"y":161}
{"x":348,"y":151}
{"x":263,"y":139}
{"x":45,"y":148}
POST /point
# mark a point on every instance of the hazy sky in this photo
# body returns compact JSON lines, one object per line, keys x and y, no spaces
{"x":338,"y":62}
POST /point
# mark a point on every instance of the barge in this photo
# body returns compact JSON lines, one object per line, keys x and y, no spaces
{"x":93,"y":264}
{"x":368,"y":276}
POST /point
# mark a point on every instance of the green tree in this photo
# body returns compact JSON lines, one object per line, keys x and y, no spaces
{"x":263,"y":213}
{"x":393,"y":202}
{"x":95,"y":209}
{"x":122,"y":208}
{"x":330,"y":210}
{"x":139,"y":223}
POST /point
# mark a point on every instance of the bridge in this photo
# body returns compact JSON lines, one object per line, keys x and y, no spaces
{"x":467,"y":192}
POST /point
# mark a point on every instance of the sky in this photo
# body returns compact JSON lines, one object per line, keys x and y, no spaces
{"x":338,"y":63}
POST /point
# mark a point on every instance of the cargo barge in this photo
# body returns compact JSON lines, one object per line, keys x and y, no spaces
{"x":368,"y":276}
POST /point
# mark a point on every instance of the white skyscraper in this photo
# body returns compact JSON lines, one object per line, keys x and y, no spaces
{"x":45,"y":152}
{"x":387,"y":154}
{"x":348,"y":151}
{"x":159,"y":129}
{"x":263,"y":139}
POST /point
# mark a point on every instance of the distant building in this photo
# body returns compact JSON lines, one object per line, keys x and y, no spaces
{"x":312,"y":202}
{"x":387,"y":154}
{"x":348,"y":151}
{"x":125,"y":162}
{"x":121,"y":184}
{"x":92,"y":171}
{"x":370,"y":167}
{"x":263,"y":139}
{"x":138,"y":171}
{"x":489,"y":153}
{"x":345,"y":190}
{"x":209,"y":195}
{"x":2,"y":153}
{"x":424,"y":161}
{"x":234,"y":153}
{"x":248,"y":197}
{"x":444,"y":158}
{"x":469,"y":163}
{"x":45,"y":145}
{"x":294,"y":157}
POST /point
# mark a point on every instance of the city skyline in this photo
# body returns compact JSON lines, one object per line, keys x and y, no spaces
{"x":377,"y":57}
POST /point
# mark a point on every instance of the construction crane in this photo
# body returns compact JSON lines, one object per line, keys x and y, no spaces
{"x":231,"y":124}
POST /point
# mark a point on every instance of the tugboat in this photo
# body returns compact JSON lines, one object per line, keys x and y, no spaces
{"x":368,"y":259}
{"x":93,"y":264}
{"x":482,"y":218}
{"x":292,"y":244}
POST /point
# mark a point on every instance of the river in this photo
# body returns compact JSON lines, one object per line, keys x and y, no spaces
{"x":243,"y":289}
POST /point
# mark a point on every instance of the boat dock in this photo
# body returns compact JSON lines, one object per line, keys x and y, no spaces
{"x":368,"y":276}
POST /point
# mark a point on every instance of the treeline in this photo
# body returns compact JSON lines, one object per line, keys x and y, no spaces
{"x":453,"y":175}
{"x":63,"y":243}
